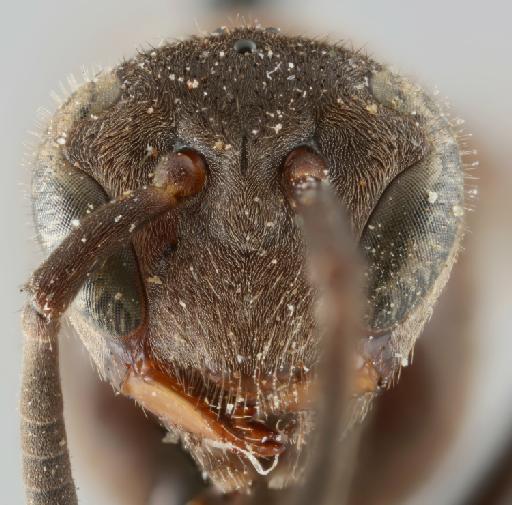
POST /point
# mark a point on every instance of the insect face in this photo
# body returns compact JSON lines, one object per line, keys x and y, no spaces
{"x":205,"y":314}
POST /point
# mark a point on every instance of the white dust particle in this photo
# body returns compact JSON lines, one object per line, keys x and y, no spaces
{"x":154,"y":280}
{"x":172,"y":77}
{"x":274,"y":262}
{"x":240,"y":359}
{"x":277,"y":128}
{"x":75,"y":223}
{"x":61,"y":141}
{"x":432,"y":197}
{"x":222,"y":54}
{"x":372,"y":108}
{"x":132,"y":227}
{"x":118,"y":218}
{"x":118,"y":296}
{"x":171,"y":438}
{"x":457,"y":210}
{"x":270,"y":72}
{"x":182,"y":304}
{"x":403,"y":359}
{"x":218,"y":146}
{"x":150,"y":110}
{"x":192,"y":84}
{"x":291,"y":65}
{"x":83,"y":240}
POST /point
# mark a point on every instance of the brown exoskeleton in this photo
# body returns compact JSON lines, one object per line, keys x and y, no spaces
{"x":177,"y":198}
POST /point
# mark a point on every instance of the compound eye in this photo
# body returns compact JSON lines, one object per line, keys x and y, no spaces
{"x":186,"y":168}
{"x":302,"y":168}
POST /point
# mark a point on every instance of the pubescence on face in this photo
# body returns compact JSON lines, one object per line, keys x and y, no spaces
{"x":208,"y":317}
